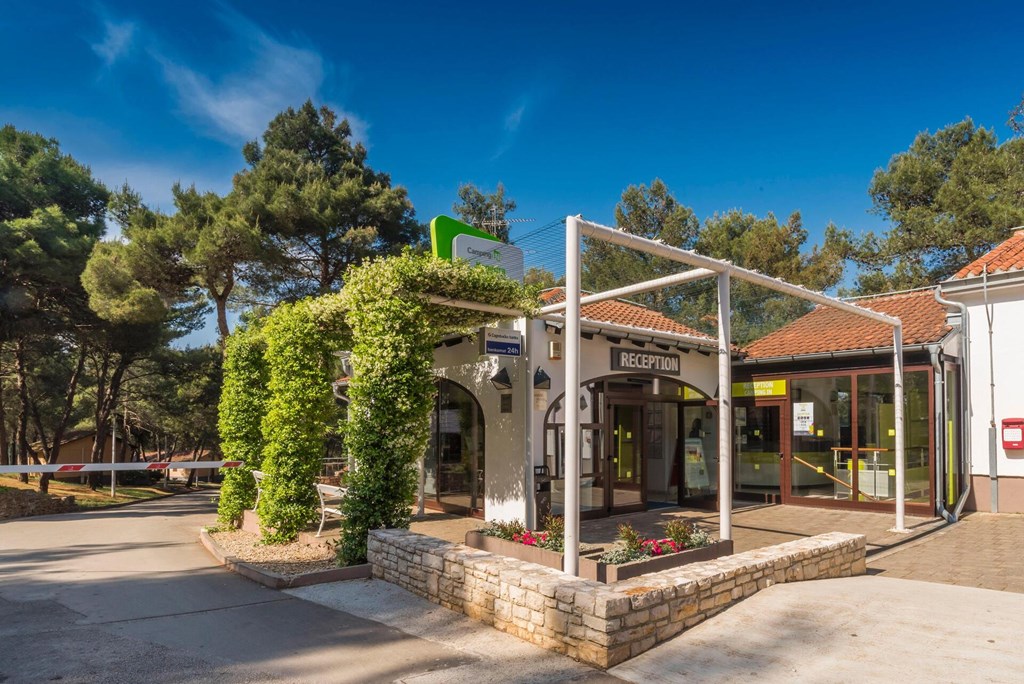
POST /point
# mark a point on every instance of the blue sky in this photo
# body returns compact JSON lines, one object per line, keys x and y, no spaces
{"x":765,"y":107}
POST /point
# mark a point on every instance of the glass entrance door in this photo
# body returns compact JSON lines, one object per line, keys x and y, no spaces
{"x":626,"y":455}
{"x":700,"y":456}
{"x":757,"y":463}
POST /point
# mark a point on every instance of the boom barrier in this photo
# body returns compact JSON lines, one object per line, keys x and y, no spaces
{"x":106,"y":467}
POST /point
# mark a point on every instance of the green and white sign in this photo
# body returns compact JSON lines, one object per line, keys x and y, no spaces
{"x":451,"y":239}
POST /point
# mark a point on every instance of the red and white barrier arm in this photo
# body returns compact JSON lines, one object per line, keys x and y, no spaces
{"x":106,"y":467}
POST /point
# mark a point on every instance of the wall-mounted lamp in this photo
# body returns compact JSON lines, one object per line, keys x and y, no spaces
{"x":541,"y":380}
{"x":501,"y":380}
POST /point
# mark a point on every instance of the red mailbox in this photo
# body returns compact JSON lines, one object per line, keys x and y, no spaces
{"x":1013,"y":433}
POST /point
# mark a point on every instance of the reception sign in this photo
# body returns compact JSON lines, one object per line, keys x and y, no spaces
{"x":759,"y":388}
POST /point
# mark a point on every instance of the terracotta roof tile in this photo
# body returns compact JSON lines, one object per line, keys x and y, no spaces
{"x":827,"y":330}
{"x":1006,"y":256}
{"x":619,"y":312}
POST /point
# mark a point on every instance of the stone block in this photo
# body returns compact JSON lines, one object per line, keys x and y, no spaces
{"x":556,"y":620}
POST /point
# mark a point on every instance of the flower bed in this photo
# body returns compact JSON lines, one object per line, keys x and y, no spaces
{"x":593,"y":567}
{"x":635,"y":556}
{"x":515,"y":549}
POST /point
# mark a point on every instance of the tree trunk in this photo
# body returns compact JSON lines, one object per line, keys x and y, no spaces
{"x":104,"y":409}
{"x":21,"y":436}
{"x":58,"y":432}
{"x":197,"y":452}
{"x":5,"y":454}
{"x":220,"y":299}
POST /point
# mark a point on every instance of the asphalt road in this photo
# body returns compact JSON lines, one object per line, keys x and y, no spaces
{"x":129,"y":595}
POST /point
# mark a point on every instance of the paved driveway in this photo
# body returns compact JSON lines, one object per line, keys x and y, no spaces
{"x":128,"y":595}
{"x":858,"y":629}
{"x":982,"y":550}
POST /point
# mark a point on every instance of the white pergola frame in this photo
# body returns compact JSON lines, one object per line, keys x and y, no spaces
{"x":704,"y":267}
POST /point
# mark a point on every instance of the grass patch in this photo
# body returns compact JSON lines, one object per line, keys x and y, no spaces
{"x":87,"y":498}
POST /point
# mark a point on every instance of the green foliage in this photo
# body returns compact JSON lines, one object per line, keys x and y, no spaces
{"x":687,"y":535}
{"x":761,"y":244}
{"x":242,"y":407}
{"x":503,"y":530}
{"x":773,"y":248}
{"x":652,"y":213}
{"x":950,"y":198}
{"x":554,"y":525}
{"x":486,"y":212}
{"x":318,"y":206}
{"x":299,"y":411}
{"x":391,"y":392}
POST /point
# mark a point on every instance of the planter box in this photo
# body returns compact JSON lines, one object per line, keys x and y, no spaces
{"x":529,"y":554}
{"x":608,"y":573}
{"x":504,"y":547}
{"x":590,"y":568}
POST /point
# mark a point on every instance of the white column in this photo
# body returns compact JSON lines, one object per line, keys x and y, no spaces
{"x":527,"y":384}
{"x":572,"y":395}
{"x":901,"y":461}
{"x":724,"y":410}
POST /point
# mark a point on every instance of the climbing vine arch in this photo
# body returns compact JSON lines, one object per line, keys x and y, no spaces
{"x":390,"y":313}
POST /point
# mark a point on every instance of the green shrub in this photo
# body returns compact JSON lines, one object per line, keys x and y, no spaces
{"x":554,"y":525}
{"x":391,"y":392}
{"x":242,"y":406}
{"x":686,"y":534}
{"x":503,"y":530}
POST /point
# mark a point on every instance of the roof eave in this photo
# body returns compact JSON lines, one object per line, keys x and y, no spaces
{"x":843,"y":354}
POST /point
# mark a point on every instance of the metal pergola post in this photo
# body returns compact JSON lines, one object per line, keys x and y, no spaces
{"x":576,"y":227}
{"x":901,"y":460}
{"x":572,"y":393}
{"x":724,"y":409}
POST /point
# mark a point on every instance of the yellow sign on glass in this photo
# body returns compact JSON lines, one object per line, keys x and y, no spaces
{"x":892,"y":472}
{"x":821,"y":470}
{"x":759,"y":388}
{"x":690,"y":393}
{"x":892,"y":432}
{"x":821,"y":433}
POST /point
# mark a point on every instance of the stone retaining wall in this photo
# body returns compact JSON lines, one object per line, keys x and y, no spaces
{"x":601,"y":624}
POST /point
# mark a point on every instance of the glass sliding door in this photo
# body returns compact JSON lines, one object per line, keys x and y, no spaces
{"x":627,"y":455}
{"x":820,"y":464}
{"x":663,"y":449}
{"x":699,"y":470}
{"x":875,"y":456}
{"x":758,"y":451}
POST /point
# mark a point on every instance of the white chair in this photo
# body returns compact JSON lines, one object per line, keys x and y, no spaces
{"x":330,"y":499}
{"x":258,"y":476}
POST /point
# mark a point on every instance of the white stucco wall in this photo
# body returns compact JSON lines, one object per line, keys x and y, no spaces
{"x":696,"y":369}
{"x":1007,"y":370}
{"x":504,"y":450}
{"x":505,"y":457}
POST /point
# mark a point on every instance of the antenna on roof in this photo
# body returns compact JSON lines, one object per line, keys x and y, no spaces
{"x":496,"y":221}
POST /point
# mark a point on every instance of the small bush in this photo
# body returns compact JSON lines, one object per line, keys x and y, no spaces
{"x":554,"y":525}
{"x":504,"y":530}
{"x":687,"y":535}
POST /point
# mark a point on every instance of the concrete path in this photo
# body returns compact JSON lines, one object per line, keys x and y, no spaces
{"x":128,"y":595}
{"x":860,"y":629}
{"x":498,"y":657}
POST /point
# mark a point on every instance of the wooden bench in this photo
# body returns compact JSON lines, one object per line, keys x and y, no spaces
{"x":330,"y":500}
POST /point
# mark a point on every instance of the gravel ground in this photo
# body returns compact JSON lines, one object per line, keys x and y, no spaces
{"x":285,"y":559}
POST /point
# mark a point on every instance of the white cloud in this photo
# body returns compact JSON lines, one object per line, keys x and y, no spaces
{"x":514,"y":118}
{"x":117,"y":40}
{"x":154,"y":180}
{"x":238,"y":104}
